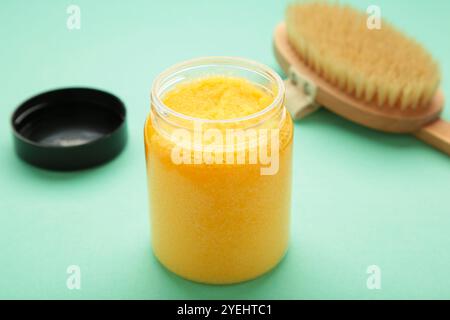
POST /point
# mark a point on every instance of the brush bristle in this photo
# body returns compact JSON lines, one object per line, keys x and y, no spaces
{"x":380,"y":66}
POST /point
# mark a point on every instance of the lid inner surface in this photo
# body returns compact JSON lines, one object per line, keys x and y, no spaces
{"x":67,"y":123}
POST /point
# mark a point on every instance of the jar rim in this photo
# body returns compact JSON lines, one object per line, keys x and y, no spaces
{"x":223,"y":61}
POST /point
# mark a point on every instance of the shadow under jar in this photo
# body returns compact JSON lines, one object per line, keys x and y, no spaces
{"x":219,"y":221}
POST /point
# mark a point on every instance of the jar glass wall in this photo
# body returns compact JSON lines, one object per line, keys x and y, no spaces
{"x":219,"y":215}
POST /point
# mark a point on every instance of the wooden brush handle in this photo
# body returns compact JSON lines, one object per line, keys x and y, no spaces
{"x":436,"y":134}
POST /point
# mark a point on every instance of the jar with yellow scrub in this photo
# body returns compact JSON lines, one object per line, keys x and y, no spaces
{"x":218,"y":144}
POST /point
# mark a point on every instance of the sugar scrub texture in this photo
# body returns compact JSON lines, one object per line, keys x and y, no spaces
{"x":216,"y":223}
{"x":218,"y":97}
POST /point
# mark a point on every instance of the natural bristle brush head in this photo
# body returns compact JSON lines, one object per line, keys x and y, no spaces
{"x":376,"y":77}
{"x":381,"y":67}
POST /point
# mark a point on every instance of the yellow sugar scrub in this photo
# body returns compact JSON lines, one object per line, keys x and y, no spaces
{"x":218,"y":144}
{"x":217,"y":97}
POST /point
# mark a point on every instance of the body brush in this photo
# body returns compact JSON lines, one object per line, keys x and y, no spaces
{"x":378,"y":78}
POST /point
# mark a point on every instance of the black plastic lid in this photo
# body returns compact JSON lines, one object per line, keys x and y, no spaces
{"x":70,"y":129}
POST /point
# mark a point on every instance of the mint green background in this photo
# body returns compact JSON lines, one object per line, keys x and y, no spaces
{"x":360,"y":197}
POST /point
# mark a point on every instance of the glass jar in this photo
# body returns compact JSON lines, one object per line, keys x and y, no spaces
{"x":224,"y":218}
